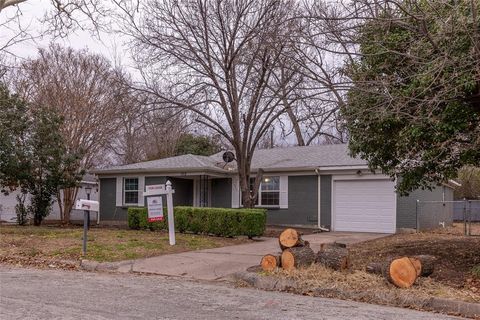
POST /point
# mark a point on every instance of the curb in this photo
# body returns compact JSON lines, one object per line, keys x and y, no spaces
{"x":121,"y":266}
{"x":271,"y":283}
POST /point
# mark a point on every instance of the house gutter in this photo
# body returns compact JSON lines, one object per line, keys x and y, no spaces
{"x":153,"y":170}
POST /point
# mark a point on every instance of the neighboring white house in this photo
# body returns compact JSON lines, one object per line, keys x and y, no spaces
{"x":8,"y":203}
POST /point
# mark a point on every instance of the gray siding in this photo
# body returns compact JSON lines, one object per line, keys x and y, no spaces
{"x":222,"y":193}
{"x":183,"y":189}
{"x":326,"y":201}
{"x":430,"y":213}
{"x":108,"y":211}
{"x":302,"y":203}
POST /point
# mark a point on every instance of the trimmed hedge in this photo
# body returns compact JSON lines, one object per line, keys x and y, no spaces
{"x":217,"y":221}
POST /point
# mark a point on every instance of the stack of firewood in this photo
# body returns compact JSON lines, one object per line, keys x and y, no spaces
{"x":404,"y":271}
{"x":297,"y":253}
{"x":400,"y":271}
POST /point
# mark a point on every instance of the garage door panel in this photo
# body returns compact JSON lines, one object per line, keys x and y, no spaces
{"x":364,"y":206}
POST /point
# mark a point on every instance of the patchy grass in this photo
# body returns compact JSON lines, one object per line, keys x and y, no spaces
{"x":104,"y":244}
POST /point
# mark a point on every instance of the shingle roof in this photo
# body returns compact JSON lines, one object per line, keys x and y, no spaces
{"x":333,"y":155}
{"x":294,"y":158}
{"x":184,"y":162}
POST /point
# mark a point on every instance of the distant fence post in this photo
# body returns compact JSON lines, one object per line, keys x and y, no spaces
{"x":469,"y":217}
{"x":416,"y":214}
{"x":465,"y":216}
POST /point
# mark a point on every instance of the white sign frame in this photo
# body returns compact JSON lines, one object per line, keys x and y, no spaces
{"x":160,"y":189}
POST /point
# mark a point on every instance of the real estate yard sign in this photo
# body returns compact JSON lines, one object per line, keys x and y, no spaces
{"x":157,"y":191}
{"x":155,"y":208}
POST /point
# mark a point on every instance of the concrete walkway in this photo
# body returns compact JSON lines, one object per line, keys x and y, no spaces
{"x":219,"y":263}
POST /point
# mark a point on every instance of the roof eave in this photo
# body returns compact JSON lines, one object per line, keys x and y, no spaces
{"x":159,"y":170}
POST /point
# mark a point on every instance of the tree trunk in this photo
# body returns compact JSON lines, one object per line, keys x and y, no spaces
{"x":69,"y":195}
{"x":290,"y":238}
{"x":424,"y":264}
{"x":297,"y":257}
{"x":401,"y":272}
{"x":334,"y":257}
{"x":270,"y":262}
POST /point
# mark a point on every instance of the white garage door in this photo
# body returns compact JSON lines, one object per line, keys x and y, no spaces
{"x":364,"y":206}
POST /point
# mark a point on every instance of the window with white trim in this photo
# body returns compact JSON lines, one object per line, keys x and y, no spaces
{"x":130,"y":191}
{"x":269,"y":191}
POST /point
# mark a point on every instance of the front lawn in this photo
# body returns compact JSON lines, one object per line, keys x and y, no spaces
{"x":53,"y":243}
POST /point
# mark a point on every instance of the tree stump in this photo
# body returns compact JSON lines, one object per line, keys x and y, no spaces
{"x":270,"y":262}
{"x":290,"y":238}
{"x":333,"y":256}
{"x":297,"y":257}
{"x":400,"y":272}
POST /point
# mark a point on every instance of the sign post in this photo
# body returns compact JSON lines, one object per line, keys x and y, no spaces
{"x":155,"y":206}
{"x":171,"y":222}
{"x":86,"y":206}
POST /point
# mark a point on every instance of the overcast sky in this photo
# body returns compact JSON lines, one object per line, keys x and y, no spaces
{"x":31,"y":13}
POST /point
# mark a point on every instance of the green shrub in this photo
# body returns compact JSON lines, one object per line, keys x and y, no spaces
{"x":216,"y":221}
{"x":476,"y":271}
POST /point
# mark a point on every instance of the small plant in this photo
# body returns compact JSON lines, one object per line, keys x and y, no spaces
{"x":476,"y":271}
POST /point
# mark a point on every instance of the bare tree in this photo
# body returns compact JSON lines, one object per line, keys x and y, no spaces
{"x":215,"y":59}
{"x":61,"y":17}
{"x":86,"y":92}
{"x":146,"y":134}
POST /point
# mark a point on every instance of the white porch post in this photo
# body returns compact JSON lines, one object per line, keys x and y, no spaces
{"x":171,"y":222}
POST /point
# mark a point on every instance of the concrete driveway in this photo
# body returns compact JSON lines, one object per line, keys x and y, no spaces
{"x":219,"y":263}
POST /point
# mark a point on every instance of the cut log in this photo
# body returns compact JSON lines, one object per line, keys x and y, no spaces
{"x":401,"y":272}
{"x":290,"y":238}
{"x":333,"y":257}
{"x":424,"y":265}
{"x":270,"y":262}
{"x":427,"y":264}
{"x":297,"y":257}
{"x":374,"y":267}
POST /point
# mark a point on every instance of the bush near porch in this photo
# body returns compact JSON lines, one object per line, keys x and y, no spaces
{"x":216,"y":221}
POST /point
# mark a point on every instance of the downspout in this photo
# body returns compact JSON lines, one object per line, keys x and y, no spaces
{"x":317,"y":171}
{"x":98,"y":194}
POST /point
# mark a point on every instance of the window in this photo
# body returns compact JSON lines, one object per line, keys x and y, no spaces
{"x":269,"y":192}
{"x":130,"y":191}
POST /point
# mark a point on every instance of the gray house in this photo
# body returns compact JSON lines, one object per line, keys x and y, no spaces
{"x":302,"y":186}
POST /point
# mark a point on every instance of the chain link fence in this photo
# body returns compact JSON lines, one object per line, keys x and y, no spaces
{"x":459,"y":216}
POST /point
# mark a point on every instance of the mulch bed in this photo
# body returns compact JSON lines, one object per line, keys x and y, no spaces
{"x":457,"y":255}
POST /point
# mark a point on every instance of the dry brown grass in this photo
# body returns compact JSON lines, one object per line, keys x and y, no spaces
{"x":372,"y":287}
{"x":60,"y":243}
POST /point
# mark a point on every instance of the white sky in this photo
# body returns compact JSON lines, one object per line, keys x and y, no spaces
{"x":32,"y":11}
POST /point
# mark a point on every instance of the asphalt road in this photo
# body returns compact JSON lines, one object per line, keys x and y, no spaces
{"x":49,"y":294}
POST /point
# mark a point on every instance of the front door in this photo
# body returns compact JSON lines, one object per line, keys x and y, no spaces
{"x":202,"y":191}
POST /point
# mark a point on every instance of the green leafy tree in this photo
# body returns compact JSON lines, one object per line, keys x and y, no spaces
{"x":414,"y":109}
{"x":33,"y":156}
{"x":14,"y":124}
{"x":199,"y":145}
